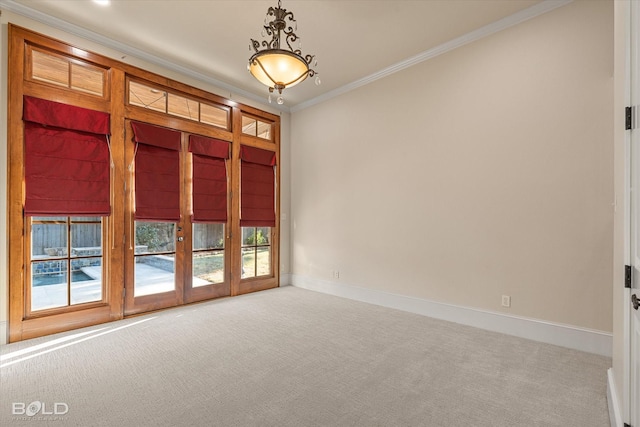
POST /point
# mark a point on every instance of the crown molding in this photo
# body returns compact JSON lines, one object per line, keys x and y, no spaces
{"x":504,"y":23}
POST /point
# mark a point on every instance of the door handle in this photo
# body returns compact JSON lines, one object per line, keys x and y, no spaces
{"x":635,"y":301}
{"x":180,"y":239}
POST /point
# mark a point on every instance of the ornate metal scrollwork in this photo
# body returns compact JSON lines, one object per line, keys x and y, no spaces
{"x":279,"y":23}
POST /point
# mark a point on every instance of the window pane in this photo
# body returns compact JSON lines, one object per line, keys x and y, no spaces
{"x":248,"y":236}
{"x":248,"y":262}
{"x":208,"y":236}
{"x":87,"y":79}
{"x":263,"y":235}
{"x":249,"y":126}
{"x":154,"y":274}
{"x":50,"y":69}
{"x":86,"y":280}
{"x":86,"y":219}
{"x":208,"y":268}
{"x":86,"y":239}
{"x":256,"y":251}
{"x":147,"y":97}
{"x":263,"y":130}
{"x":183,"y":107}
{"x":49,"y":240}
{"x":214,"y":116}
{"x":155,"y":237}
{"x":61,"y":219}
{"x":48,"y":284}
{"x":263,"y":264}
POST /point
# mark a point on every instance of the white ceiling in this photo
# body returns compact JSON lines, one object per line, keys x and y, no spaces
{"x":352,"y":40}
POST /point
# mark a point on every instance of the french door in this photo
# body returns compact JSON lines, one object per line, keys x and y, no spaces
{"x":169,"y":263}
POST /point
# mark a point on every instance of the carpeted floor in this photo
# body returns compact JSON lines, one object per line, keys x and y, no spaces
{"x":293,"y":357}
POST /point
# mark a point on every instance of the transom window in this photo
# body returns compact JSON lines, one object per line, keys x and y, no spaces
{"x":254,"y":127}
{"x":70,"y":73}
{"x":158,"y":99}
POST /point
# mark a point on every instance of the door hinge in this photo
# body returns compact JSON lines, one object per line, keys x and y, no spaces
{"x":627,"y":276}
{"x":628,"y":118}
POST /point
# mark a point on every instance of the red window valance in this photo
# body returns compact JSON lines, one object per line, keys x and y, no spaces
{"x":208,"y":147}
{"x":66,"y":159}
{"x":257,"y":156}
{"x":257,"y":187}
{"x":209,"y":178}
{"x":157,"y":173}
{"x":157,"y":136}
{"x":70,"y":117}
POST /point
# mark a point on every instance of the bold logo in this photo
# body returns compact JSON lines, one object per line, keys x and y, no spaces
{"x":37,"y":407}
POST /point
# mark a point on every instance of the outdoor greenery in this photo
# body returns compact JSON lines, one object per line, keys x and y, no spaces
{"x":255,"y":236}
{"x":157,"y":237}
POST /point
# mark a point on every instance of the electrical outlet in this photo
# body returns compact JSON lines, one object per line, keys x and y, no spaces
{"x":506,"y":301}
{"x":335,"y":274}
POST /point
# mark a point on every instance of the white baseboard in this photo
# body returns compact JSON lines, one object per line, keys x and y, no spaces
{"x":285,"y":279}
{"x":591,"y":341}
{"x":612,"y":400}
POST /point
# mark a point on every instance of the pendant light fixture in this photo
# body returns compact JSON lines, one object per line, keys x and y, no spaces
{"x":275,"y":66}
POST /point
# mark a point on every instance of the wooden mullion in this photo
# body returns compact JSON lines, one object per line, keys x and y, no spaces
{"x":235,"y":243}
{"x":17,"y":279}
{"x":113,"y":258}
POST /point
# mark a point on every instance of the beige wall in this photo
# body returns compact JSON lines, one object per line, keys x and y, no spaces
{"x":485,"y":171}
{"x":9,"y":17}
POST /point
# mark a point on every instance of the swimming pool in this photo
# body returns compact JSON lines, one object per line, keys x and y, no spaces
{"x":57,"y":278}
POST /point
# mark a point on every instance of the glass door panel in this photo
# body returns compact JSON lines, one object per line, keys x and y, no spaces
{"x":208,"y":254}
{"x":155,"y":258}
{"x":256,"y":252}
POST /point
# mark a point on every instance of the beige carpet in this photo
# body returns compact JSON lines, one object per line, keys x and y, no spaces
{"x":293,"y":357}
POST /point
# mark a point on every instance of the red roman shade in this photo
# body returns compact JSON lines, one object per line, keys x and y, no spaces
{"x":209,"y":178}
{"x":257,"y":187}
{"x":157,"y":173}
{"x":66,"y":159}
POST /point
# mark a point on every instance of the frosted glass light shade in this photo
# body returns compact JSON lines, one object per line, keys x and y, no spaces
{"x":278,"y":67}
